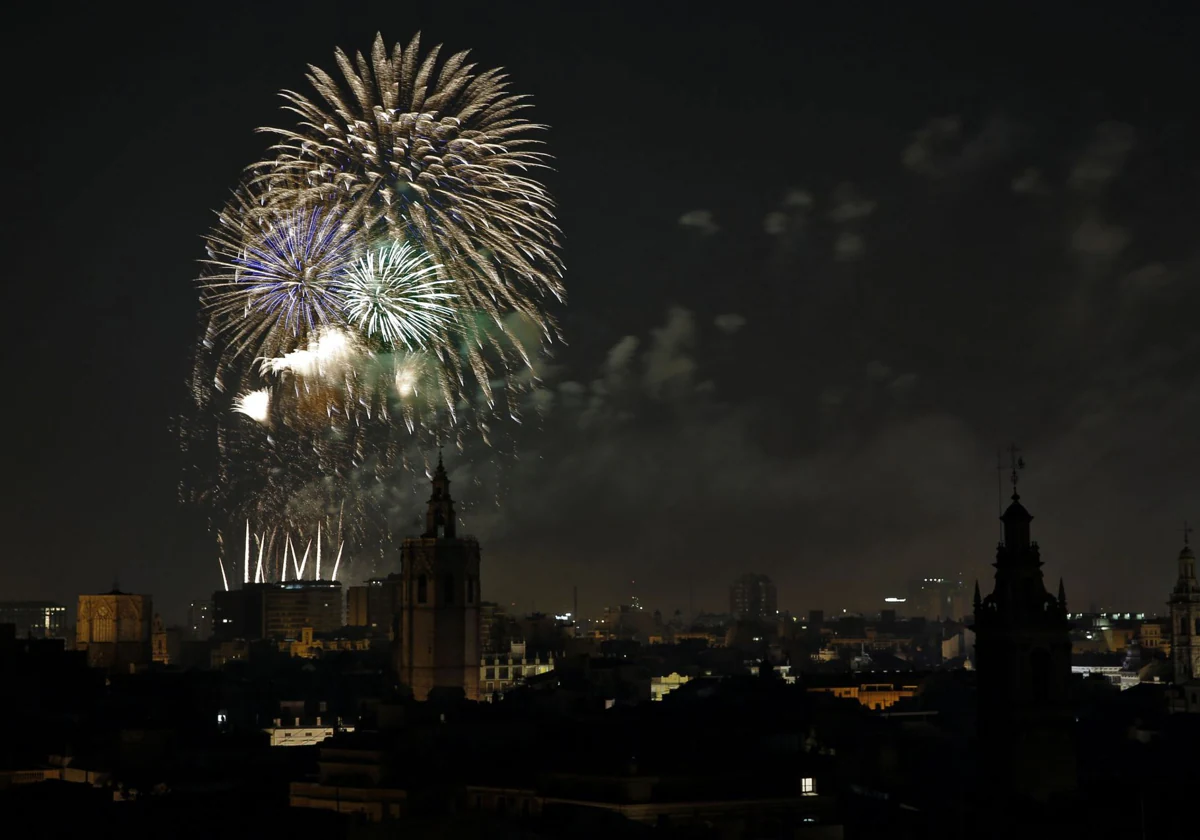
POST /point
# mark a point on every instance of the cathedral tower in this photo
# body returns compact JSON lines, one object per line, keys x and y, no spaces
{"x":437,"y":632}
{"x":1185,"y":616}
{"x":1023,"y":655}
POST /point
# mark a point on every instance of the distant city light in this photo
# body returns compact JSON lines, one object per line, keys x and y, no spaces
{"x":893,"y":601}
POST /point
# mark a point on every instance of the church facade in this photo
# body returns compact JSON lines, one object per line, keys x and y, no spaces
{"x":436,"y":633}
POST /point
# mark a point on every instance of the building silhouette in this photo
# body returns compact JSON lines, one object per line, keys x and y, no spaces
{"x":374,"y":604}
{"x":35,"y":619}
{"x":200,"y":620}
{"x":936,"y":598}
{"x":1023,"y":655}
{"x":437,"y":626}
{"x":1185,"y":616}
{"x":277,"y":610}
{"x":752,"y":598}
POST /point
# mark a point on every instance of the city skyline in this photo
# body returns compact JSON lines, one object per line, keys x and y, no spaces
{"x":793,"y":351}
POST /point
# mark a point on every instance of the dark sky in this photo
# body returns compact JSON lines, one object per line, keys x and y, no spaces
{"x":820,"y":264}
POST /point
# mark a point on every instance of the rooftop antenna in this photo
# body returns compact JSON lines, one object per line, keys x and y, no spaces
{"x":1187,"y":533}
{"x":1018,"y":463}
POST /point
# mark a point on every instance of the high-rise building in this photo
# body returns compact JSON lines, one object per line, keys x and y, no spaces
{"x":200,"y":621}
{"x":290,"y":607}
{"x":35,"y":619}
{"x":277,"y":610}
{"x":1185,"y":616}
{"x":752,"y":598}
{"x":1023,"y":655}
{"x":114,"y":630}
{"x":437,"y":632}
{"x":238,"y":613}
{"x":936,"y":597}
{"x":374,"y":604}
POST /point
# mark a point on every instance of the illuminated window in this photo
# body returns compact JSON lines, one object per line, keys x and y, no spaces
{"x":808,"y":787}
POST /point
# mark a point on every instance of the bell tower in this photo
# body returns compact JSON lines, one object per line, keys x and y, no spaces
{"x":437,"y":627}
{"x":1185,"y":615}
{"x":1023,"y":656}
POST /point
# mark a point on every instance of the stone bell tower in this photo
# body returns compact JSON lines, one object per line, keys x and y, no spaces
{"x":1023,"y":656}
{"x":1185,"y":616}
{"x":437,"y":626}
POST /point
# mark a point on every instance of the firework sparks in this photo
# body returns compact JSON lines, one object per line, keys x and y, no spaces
{"x":275,"y":274}
{"x":332,"y":350}
{"x":256,"y":405}
{"x":394,"y":294}
{"x":440,"y":158}
{"x":383,"y":271}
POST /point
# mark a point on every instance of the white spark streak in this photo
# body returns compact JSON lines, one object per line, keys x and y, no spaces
{"x":338,"y":560}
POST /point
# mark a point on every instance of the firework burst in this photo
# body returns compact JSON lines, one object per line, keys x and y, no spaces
{"x":438,"y":156}
{"x":370,"y":288}
{"x":394,"y":295}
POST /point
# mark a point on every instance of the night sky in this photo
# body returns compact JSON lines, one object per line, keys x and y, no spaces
{"x":819,"y":266}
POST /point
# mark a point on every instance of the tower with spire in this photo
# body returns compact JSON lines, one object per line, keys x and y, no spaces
{"x":1023,"y":657}
{"x":1185,"y":615}
{"x":436,"y":636}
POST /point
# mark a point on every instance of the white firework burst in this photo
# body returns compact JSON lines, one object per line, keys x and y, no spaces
{"x":395,"y":294}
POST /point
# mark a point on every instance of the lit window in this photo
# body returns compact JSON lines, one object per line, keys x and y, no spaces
{"x":808,"y":787}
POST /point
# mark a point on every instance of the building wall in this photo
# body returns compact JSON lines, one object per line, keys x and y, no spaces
{"x":500,"y":672}
{"x":114,"y":630}
{"x":200,"y":621}
{"x":753,"y":597}
{"x":356,"y":606}
{"x":875,"y":696}
{"x":290,"y":607}
{"x":1185,"y":638}
{"x":438,"y":641}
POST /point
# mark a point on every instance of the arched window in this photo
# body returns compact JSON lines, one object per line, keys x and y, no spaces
{"x":448,"y":589}
{"x":422,"y":590}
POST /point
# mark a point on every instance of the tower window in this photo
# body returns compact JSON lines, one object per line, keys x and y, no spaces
{"x":422,"y":590}
{"x":471,"y":592}
{"x":448,"y":589}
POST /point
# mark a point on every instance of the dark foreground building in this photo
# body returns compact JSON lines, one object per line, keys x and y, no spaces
{"x":1023,"y":651}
